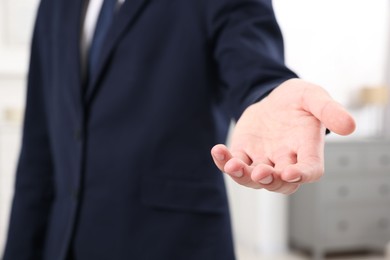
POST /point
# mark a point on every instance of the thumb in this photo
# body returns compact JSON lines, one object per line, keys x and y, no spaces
{"x":331,"y":114}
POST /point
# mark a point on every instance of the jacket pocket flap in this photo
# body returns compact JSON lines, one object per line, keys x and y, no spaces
{"x":185,"y":196}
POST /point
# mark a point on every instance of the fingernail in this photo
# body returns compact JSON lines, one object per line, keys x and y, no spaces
{"x":295,"y":180}
{"x":237,"y":174}
{"x":267,"y":180}
{"x":219,"y":157}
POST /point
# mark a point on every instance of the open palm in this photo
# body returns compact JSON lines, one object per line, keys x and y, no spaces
{"x":278,"y":142}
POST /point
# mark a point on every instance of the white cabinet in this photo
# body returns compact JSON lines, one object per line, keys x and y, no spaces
{"x":349,"y":208}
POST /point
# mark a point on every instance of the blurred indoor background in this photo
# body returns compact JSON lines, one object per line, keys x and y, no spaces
{"x":342,"y":45}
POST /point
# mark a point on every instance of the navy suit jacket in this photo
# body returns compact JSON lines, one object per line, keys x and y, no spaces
{"x":121,"y":168}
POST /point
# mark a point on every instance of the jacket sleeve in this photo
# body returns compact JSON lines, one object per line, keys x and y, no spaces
{"x":248,"y":50}
{"x":33,"y":188}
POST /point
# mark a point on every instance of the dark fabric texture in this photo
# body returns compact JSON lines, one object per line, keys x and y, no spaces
{"x":125,"y":172}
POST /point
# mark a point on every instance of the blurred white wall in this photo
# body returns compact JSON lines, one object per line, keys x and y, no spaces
{"x":338,"y":44}
{"x":341,"y":45}
{"x":16,"y":21}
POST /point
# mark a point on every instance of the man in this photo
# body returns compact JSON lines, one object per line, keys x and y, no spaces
{"x":115,"y":160}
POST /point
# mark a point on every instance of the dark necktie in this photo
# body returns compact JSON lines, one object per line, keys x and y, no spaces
{"x":102,"y":26}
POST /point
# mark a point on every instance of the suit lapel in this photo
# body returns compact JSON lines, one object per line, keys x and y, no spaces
{"x":127,"y":14}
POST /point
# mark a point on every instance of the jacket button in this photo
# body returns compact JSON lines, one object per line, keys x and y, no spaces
{"x":75,"y":194}
{"x":78,"y":134}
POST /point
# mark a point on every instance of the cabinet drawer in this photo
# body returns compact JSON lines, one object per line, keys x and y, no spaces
{"x":359,"y":190}
{"x":377,"y":160}
{"x":341,"y":225}
{"x":341,"y":160}
{"x":362,"y":225}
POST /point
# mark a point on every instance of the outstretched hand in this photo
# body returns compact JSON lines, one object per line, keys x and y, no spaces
{"x":278,"y":143}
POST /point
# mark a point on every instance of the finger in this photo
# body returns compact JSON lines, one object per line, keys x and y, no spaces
{"x":285,"y":188}
{"x":333,"y":115}
{"x":263,"y":174}
{"x":241,"y":173}
{"x":279,"y":186}
{"x":309,"y":164}
{"x":236,"y":166}
{"x":337,"y":119}
{"x":240,"y":170}
{"x":283,"y":160}
{"x":309,"y":173}
{"x":221,"y":155}
{"x":290,"y":188}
